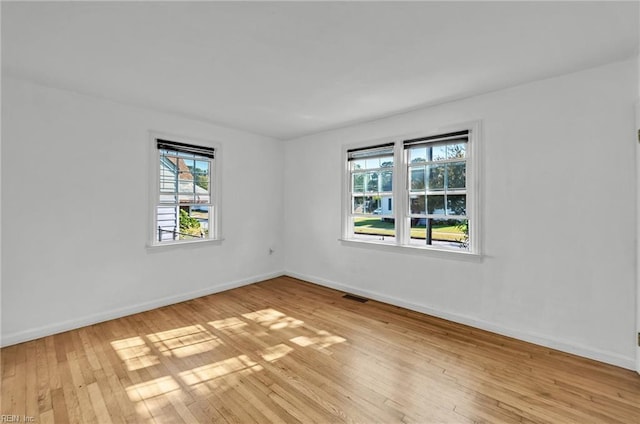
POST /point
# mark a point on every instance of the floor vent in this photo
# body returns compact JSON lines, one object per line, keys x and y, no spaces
{"x":356,"y":298}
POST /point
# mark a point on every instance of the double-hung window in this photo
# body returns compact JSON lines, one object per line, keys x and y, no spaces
{"x":437,"y":190}
{"x":415,"y":191}
{"x":185,"y":203}
{"x":371,"y":192}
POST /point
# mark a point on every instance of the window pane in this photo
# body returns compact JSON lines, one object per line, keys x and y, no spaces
{"x":417,"y":179}
{"x":435,"y":177}
{"x":456,"y":204}
{"x":167,"y":176}
{"x":358,"y":182}
{"x":386,"y":162}
{"x":371,"y":181}
{"x":358,"y":164}
{"x":417,"y":204}
{"x":186,"y":198}
{"x":456,"y":175}
{"x":167,"y":223}
{"x":374,"y":228}
{"x":387,"y":180}
{"x":202,"y":195}
{"x":456,"y":151}
{"x":383,"y":205}
{"x":194,"y":222}
{"x":417,"y":155}
{"x":185,"y":167}
{"x":184,"y":176}
{"x":444,"y":233}
{"x":438,"y":152}
{"x":167,"y":198}
{"x":372,"y":204}
{"x":201,"y":175}
{"x":168,"y":185}
{"x":435,"y":205}
{"x":372,"y":163}
{"x":358,"y":205}
{"x":202,"y":198}
{"x":186,"y":187}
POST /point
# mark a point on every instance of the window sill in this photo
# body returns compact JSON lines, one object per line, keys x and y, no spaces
{"x":415,"y":250}
{"x":185,"y":244}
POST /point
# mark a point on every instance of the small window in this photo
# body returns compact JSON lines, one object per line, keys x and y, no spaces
{"x":435,"y":204}
{"x":185,"y":207}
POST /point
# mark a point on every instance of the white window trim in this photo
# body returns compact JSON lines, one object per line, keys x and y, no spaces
{"x":153,"y":188}
{"x":401,"y":193}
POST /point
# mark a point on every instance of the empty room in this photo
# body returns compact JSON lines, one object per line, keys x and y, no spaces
{"x":320,"y":212}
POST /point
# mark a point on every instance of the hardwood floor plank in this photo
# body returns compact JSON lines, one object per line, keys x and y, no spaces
{"x":42,"y":372}
{"x":60,"y":414}
{"x":98,"y":404}
{"x":31,"y":368}
{"x":8,"y":358}
{"x":288,"y":351}
{"x":19,"y":394}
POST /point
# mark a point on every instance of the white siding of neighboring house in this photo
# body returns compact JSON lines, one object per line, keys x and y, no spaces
{"x":387,"y":205}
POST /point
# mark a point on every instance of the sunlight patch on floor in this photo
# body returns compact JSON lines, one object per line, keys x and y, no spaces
{"x":230,"y":326}
{"x":219,"y":369}
{"x":272,"y":319}
{"x":273,"y":353}
{"x":323,"y":340}
{"x":135,"y":353}
{"x":152,"y":389}
{"x":184,"y":341}
{"x":154,"y":395}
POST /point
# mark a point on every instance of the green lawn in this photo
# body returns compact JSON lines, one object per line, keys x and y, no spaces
{"x":377,"y":226}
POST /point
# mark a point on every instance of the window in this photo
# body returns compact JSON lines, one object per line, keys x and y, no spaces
{"x":371,"y":192}
{"x":434,"y":190}
{"x":185,"y":207}
{"x":437,"y":170}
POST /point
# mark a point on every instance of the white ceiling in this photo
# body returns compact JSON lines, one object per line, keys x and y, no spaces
{"x":290,"y":69}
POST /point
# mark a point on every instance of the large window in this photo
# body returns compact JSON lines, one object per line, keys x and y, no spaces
{"x":185,"y":207}
{"x":415,"y":192}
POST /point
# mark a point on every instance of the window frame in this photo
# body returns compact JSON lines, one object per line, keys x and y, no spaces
{"x":215,"y":233}
{"x":401,"y":194}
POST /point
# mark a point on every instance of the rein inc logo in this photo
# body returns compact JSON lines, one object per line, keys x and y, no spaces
{"x":6,"y":418}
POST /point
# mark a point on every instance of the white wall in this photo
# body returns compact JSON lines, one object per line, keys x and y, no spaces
{"x":559,"y":215}
{"x":638,"y":223}
{"x":75,"y":212}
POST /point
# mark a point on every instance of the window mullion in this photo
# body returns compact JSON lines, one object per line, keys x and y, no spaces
{"x":400,"y":194}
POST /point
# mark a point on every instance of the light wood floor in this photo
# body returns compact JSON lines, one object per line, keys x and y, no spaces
{"x":289,"y":351}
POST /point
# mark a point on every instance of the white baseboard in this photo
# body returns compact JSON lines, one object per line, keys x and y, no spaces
{"x":59,"y":327}
{"x":587,"y":352}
